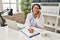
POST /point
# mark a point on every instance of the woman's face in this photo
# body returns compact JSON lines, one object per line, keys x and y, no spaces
{"x":35,"y":9}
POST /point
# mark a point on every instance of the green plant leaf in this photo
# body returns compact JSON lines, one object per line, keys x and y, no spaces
{"x":26,"y":6}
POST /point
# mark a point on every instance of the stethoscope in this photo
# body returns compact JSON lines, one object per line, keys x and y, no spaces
{"x":32,"y":21}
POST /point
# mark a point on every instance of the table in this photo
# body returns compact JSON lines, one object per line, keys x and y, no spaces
{"x":7,"y":33}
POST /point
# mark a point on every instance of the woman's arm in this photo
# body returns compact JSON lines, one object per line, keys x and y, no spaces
{"x":40,"y":22}
{"x":27,"y":21}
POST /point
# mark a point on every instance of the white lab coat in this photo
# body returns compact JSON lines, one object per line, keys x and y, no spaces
{"x":32,"y":22}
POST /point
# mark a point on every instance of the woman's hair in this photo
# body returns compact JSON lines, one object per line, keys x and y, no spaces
{"x":37,"y":5}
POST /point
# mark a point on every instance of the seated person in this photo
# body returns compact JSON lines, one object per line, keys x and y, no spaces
{"x":34,"y":19}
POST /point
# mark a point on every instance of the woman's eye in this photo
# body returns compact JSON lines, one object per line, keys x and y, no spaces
{"x":36,"y":8}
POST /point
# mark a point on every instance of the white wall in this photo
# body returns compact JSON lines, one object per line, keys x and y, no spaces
{"x":1,"y":7}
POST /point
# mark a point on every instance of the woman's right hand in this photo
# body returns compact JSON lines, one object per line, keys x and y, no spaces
{"x":31,"y":30}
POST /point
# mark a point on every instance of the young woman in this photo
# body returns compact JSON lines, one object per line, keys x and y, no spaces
{"x":35,"y":19}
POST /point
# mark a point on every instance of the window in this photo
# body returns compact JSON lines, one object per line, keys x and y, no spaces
{"x":14,"y":7}
{"x":5,"y":6}
{"x":13,"y":1}
{"x":19,"y":6}
{"x":14,"y":4}
{"x":5,"y":1}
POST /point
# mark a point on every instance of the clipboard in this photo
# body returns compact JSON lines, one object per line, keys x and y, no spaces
{"x":30,"y":35}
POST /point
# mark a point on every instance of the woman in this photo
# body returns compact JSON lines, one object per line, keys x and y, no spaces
{"x":35,"y":19}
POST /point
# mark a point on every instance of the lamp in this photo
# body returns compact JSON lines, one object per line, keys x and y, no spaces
{"x":10,"y":13}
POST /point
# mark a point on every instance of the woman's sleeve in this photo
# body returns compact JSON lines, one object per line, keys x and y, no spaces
{"x":40,"y":22}
{"x":27,"y":21}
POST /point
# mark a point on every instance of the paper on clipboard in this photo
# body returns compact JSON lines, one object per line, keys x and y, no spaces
{"x":30,"y":35}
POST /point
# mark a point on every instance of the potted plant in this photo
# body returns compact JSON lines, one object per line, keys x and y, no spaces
{"x":26,"y":6}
